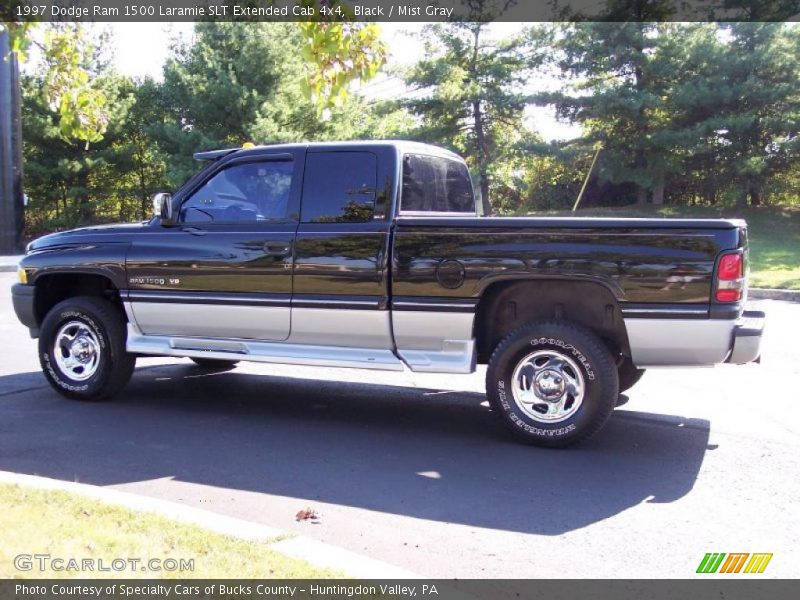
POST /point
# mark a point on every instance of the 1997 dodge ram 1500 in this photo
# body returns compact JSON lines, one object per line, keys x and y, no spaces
{"x":372,"y":255}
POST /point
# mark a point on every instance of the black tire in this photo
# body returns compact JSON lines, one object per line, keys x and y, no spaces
{"x":584,"y":352}
{"x":629,"y":375}
{"x":212,"y":363}
{"x":99,"y":321}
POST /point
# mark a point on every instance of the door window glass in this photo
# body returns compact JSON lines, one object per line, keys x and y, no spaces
{"x":245,"y":192}
{"x":339,"y":187}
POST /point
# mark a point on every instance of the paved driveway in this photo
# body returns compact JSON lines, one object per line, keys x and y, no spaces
{"x":415,"y":470}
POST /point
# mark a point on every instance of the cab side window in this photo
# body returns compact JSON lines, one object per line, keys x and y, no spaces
{"x":245,"y":192}
{"x":339,"y":187}
{"x":435,"y":184}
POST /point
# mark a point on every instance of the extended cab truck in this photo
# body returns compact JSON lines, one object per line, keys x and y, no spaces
{"x":372,"y":255}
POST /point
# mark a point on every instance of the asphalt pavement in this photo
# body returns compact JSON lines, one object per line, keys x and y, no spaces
{"x":414,"y":470}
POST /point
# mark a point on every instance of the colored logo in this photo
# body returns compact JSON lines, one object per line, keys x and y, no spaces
{"x":741,"y":562}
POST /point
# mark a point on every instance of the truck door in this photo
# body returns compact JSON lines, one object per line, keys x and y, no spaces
{"x":225,"y":270}
{"x":341,"y":288}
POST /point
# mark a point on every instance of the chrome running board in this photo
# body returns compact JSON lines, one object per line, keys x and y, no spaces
{"x":267,"y":352}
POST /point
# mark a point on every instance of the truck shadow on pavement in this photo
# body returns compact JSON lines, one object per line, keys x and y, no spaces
{"x":427,"y":454}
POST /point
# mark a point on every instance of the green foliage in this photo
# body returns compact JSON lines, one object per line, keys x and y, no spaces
{"x":68,"y":83}
{"x":233,"y":80}
{"x":69,"y":86}
{"x":19,"y":32}
{"x":19,"y":37}
{"x":71,"y":183}
{"x":759,"y":118}
{"x":685,"y":111}
{"x":336,"y":54}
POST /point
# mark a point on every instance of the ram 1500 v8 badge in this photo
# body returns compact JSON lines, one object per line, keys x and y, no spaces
{"x":372,"y":255}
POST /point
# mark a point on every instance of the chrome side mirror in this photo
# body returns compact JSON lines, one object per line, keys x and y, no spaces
{"x":162,"y":207}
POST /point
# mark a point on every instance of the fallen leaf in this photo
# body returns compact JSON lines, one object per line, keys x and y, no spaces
{"x":307,"y":514}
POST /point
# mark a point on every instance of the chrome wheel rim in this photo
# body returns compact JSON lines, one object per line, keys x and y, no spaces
{"x":77,"y":351}
{"x":548,"y":386}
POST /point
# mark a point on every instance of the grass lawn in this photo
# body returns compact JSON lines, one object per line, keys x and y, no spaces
{"x":774,"y":236}
{"x":68,"y":525}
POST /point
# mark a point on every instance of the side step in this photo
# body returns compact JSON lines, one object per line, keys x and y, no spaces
{"x":267,"y":352}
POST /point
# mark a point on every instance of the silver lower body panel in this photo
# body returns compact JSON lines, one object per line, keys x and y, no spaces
{"x":338,"y":327}
{"x":429,"y":342}
{"x":694,"y":342}
{"x":435,"y":341}
{"x":211,"y":320}
{"x":679,"y":342}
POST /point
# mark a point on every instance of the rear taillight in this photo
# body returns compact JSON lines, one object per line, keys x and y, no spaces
{"x":730,"y":278}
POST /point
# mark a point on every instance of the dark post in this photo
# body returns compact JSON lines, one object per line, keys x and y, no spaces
{"x":11,"y":198}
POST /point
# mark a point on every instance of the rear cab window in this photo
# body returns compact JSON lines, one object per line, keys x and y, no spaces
{"x":434,"y":184}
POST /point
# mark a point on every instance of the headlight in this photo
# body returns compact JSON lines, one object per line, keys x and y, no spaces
{"x":22,"y":275}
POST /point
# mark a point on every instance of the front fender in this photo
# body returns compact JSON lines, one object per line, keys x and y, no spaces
{"x":106,"y":260}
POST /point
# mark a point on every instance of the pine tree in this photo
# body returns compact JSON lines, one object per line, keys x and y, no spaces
{"x":618,"y":81}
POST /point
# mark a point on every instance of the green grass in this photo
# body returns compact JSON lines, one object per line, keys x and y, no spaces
{"x":774,"y":234}
{"x":63,"y":524}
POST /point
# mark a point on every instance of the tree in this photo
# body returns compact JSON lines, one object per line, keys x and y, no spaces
{"x":241,"y":82}
{"x":69,"y":182}
{"x":136,"y":167}
{"x":235,"y":83}
{"x":684,"y":110}
{"x":620,"y":75}
{"x":474,"y":97}
{"x":759,"y":116}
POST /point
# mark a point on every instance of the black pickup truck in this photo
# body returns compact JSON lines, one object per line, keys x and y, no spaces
{"x":372,"y":255}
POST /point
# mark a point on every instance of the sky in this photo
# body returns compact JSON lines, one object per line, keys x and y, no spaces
{"x":140,"y":49}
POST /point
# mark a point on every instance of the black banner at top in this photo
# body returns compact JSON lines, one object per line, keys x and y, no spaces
{"x":399,"y":10}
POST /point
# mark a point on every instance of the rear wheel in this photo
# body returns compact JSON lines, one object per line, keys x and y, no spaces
{"x":553,"y":383}
{"x":82,"y":349}
{"x":211,"y":363}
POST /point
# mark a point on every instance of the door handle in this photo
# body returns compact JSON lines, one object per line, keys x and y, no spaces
{"x":194,"y":230}
{"x":277,"y":249}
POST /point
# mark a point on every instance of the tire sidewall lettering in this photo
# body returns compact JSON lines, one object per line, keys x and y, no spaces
{"x":59,"y":378}
{"x":557,"y":432}
{"x":567,"y":347}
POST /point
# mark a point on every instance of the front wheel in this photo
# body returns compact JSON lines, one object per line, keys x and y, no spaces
{"x":553,"y":383}
{"x":82,"y":349}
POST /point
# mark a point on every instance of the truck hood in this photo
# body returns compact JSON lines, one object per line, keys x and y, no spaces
{"x":95,"y":234}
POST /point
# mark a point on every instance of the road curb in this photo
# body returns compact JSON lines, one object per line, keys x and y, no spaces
{"x":314,"y":552}
{"x":772,"y":294}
